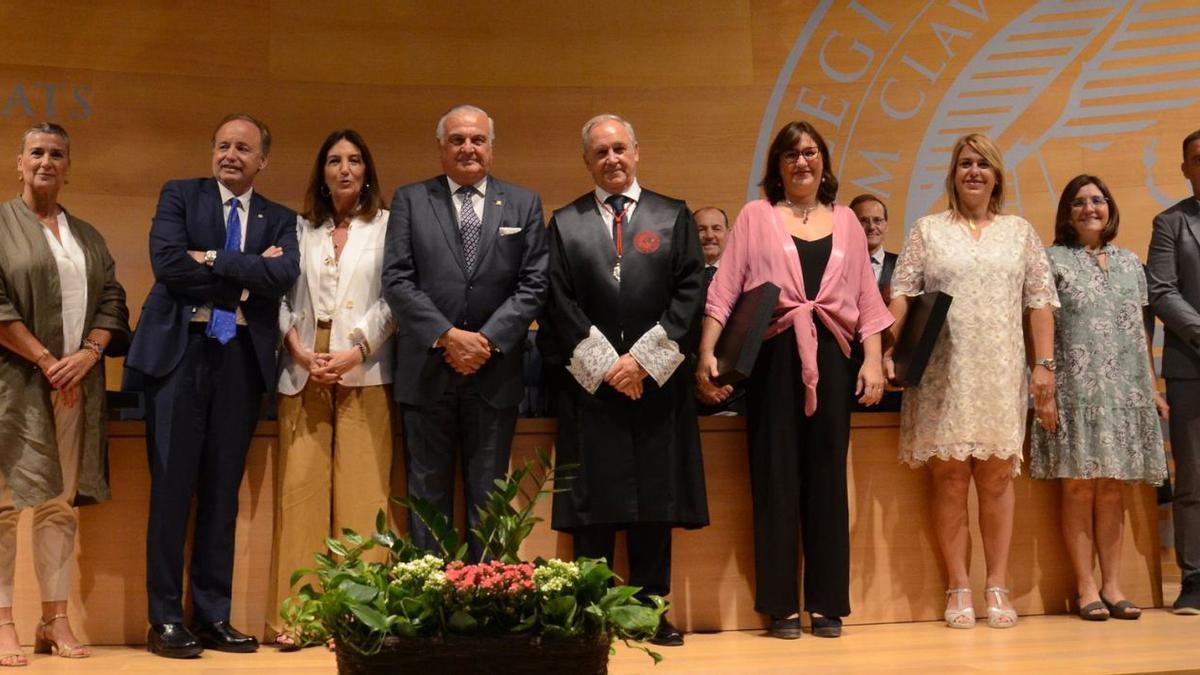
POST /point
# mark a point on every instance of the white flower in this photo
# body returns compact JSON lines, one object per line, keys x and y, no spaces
{"x":417,"y":573}
{"x":555,"y":576}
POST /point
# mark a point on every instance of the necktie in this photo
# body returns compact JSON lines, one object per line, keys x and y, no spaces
{"x":222,"y":324}
{"x":710,"y":271}
{"x":617,"y":203}
{"x":469,"y":226}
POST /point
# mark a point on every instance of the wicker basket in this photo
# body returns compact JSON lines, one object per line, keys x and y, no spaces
{"x":504,"y":655}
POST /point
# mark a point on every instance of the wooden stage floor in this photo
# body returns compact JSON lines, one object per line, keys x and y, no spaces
{"x":1159,"y":642}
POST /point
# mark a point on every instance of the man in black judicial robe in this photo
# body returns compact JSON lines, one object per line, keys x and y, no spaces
{"x":625,"y":286}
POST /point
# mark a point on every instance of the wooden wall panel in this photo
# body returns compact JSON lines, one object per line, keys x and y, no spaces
{"x":895,"y":575}
{"x":514,"y":44}
{"x":138,"y":37}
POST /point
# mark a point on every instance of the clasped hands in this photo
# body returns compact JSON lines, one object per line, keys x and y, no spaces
{"x":626,"y":376}
{"x":465,"y":351}
{"x":329,"y":367}
{"x":66,"y":373}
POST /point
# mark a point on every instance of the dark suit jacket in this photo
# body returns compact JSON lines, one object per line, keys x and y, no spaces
{"x":1173,"y":273}
{"x":425,"y":282}
{"x":885,"y":275}
{"x":189,"y":217}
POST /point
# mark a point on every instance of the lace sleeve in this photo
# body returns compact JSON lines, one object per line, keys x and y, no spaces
{"x":592,"y":358}
{"x":909,"y":275}
{"x":1038,"y":289}
{"x":657,"y":353}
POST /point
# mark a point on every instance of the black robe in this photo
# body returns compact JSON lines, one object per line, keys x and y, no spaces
{"x":638,"y":461}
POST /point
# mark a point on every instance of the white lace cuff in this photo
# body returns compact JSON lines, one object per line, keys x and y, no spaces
{"x":657,"y":353}
{"x":592,"y":358}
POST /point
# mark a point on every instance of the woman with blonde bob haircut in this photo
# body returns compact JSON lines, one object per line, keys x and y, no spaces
{"x":966,"y":419}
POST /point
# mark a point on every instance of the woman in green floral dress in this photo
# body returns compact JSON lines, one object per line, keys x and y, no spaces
{"x":1107,"y":429}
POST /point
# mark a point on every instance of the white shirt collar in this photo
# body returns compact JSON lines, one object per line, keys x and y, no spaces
{"x":634,"y":192}
{"x":481,"y":186}
{"x":227,"y":194}
{"x":877,"y":256}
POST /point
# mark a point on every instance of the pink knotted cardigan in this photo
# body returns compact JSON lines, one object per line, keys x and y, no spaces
{"x":761,"y":249}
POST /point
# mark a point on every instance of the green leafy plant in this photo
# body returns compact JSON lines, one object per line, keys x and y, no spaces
{"x":360,"y":601}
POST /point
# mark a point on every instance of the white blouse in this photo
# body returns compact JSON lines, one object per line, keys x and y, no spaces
{"x":72,"y":281}
{"x":327,"y":283}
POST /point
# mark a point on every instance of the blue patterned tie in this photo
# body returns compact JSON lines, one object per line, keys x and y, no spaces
{"x":222,"y":325}
{"x":468,"y":223}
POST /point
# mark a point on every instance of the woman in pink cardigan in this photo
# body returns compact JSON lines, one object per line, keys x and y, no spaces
{"x":799,"y":394}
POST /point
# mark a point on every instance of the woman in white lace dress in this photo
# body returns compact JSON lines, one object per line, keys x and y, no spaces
{"x":967,"y":418}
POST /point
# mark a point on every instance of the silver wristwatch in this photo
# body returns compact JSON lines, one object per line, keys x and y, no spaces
{"x":210,"y":258}
{"x":1048,"y":364}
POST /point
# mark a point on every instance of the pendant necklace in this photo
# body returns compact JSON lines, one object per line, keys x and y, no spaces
{"x":804,"y":210}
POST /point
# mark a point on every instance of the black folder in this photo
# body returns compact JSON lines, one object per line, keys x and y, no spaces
{"x":743,"y":334}
{"x":922,"y":324}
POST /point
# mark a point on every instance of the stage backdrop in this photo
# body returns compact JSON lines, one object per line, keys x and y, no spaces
{"x":1107,"y":87}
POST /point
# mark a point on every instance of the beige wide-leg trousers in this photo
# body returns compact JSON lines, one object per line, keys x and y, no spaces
{"x":333,"y":471}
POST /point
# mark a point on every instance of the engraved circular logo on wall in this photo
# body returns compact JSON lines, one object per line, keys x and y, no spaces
{"x":1106,"y":87}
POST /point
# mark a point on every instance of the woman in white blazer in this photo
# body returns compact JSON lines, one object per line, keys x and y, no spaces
{"x":335,"y":413}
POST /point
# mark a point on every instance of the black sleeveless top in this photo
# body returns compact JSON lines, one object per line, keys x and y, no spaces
{"x":814,"y":256}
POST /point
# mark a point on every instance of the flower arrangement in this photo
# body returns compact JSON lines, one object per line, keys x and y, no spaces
{"x":366,"y":605}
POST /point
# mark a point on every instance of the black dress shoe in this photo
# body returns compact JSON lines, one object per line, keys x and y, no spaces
{"x":173,"y":641}
{"x":219,"y":635}
{"x":826,"y":626}
{"x":667,"y":635}
{"x":786,"y":629}
{"x":1188,"y":601}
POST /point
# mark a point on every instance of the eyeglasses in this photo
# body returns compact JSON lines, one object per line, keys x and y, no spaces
{"x":1096,"y":201}
{"x":876,"y":221}
{"x":793,"y":156}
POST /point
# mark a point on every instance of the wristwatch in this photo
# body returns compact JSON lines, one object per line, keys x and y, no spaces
{"x":1048,"y":364}
{"x":210,"y":258}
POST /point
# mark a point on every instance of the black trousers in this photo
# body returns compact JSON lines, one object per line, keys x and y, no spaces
{"x":433,"y":435}
{"x":1183,"y":396}
{"x":649,"y":549}
{"x":199,"y":422}
{"x":798,"y":478}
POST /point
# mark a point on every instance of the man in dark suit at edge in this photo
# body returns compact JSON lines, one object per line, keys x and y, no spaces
{"x":465,"y":274}
{"x":222,"y":256}
{"x":1173,"y":276}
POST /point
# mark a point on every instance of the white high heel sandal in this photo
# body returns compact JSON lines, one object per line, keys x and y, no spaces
{"x":963,"y":617}
{"x":997,"y":616}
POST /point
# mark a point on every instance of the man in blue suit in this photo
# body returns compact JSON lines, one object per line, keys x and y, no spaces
{"x":222,"y":256}
{"x":465,"y":274}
